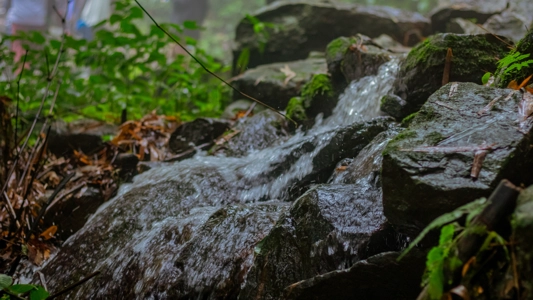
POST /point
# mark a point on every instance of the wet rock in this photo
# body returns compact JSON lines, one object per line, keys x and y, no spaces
{"x":240,"y":106}
{"x":470,"y":9}
{"x":126,"y":163}
{"x":271,"y":83}
{"x":143,"y":241}
{"x":421,"y":183}
{"x":328,"y":228}
{"x":200,"y":132}
{"x":83,"y":135}
{"x":303,"y":27}
{"x":70,"y":214}
{"x":421,"y":72}
{"x":204,"y":254}
{"x":318,"y":97}
{"x":377,"y":277}
{"x":523,"y":235}
{"x":352,"y":58}
{"x":263,"y":130}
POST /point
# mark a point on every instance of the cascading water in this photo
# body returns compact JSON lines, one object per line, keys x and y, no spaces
{"x":160,"y":225}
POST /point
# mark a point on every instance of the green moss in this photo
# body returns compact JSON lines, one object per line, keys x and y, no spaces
{"x":318,"y":85}
{"x":336,"y":48}
{"x":407,"y":120}
{"x":392,"y":145}
{"x":432,"y":138}
{"x":296,"y":110}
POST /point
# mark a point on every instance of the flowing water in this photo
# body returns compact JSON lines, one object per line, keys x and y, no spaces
{"x":161,"y":224}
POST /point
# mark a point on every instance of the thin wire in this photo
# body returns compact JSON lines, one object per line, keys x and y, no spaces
{"x":210,"y":72}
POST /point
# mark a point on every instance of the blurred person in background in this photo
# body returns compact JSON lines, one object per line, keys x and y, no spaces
{"x":94,"y":12}
{"x":26,"y":15}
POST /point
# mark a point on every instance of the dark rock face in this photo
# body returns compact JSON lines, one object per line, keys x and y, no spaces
{"x":263,"y":130}
{"x":70,"y":215}
{"x":305,"y":27}
{"x":82,"y":135}
{"x":162,"y":235}
{"x":170,"y":258}
{"x":328,"y":228}
{"x":351,"y":58}
{"x":198,"y":132}
{"x":421,"y":183}
{"x":469,"y":9}
{"x":523,"y":234}
{"x":378,"y":277}
{"x":421,"y":72}
{"x":270,"y":85}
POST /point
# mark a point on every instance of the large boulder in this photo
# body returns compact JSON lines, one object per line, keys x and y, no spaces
{"x":275,"y":84}
{"x":428,"y":168}
{"x":421,"y":73}
{"x":328,"y":228}
{"x":161,"y":235}
{"x":81,"y":135}
{"x":301,"y":27}
{"x":479,"y":10}
{"x":506,"y":18}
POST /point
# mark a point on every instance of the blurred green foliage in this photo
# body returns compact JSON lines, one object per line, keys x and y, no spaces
{"x":122,"y":68}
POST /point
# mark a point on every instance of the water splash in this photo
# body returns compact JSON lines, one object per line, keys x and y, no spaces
{"x":170,"y":207}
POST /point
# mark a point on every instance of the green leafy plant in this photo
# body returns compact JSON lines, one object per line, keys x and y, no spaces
{"x":443,"y":260}
{"x":124,"y":67}
{"x":509,"y":66}
{"x":20,"y":291}
{"x":261,"y":31}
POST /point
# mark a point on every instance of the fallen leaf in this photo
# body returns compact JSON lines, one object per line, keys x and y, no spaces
{"x":479,"y":157}
{"x":289,"y":74}
{"x":447,"y":67}
{"x":49,"y":233}
{"x":461,"y":291}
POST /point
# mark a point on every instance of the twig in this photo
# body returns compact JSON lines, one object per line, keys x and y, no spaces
{"x":209,"y":71}
{"x":45,"y":95}
{"x":18,"y":97}
{"x":48,"y":201}
{"x":73,"y":286}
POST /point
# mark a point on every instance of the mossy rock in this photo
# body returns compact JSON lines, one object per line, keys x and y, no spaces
{"x":317,"y":96}
{"x":301,"y":27}
{"x":427,"y":167}
{"x":422,"y":71}
{"x":270,"y":83}
{"x":351,"y":58}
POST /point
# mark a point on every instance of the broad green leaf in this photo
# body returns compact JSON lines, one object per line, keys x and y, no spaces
{"x":5,"y":281}
{"x":21,"y":288}
{"x":39,"y":294}
{"x":444,"y":219}
{"x":136,"y":13}
{"x":190,"y":25}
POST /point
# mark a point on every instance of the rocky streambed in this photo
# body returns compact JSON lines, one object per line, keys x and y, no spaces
{"x":321,"y":211}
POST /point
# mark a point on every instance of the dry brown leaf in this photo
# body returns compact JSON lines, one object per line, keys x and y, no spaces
{"x":447,"y":67}
{"x":479,"y":157}
{"x":289,"y":74}
{"x":49,"y":233}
